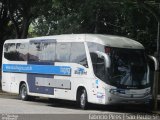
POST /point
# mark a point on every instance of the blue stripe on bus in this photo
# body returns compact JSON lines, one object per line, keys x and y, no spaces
{"x":39,"y":69}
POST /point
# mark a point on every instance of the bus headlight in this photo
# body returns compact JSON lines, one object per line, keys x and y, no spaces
{"x":147,"y":92}
{"x":113,"y":91}
{"x":117,"y":91}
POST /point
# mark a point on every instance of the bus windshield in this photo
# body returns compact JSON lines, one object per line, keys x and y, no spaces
{"x":128,"y":68}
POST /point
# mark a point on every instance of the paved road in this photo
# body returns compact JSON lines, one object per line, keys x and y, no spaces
{"x":10,"y":104}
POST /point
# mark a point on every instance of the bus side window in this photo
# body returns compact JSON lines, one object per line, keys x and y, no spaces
{"x":42,"y":52}
{"x":10,"y":52}
{"x":48,"y":52}
{"x":34,"y":50}
{"x":7,"y":50}
{"x":16,"y":51}
{"x":98,"y":66}
{"x":94,"y":58}
{"x":63,"y":52}
{"x":78,"y":54}
{"x":101,"y":68}
{"x":22,"y":51}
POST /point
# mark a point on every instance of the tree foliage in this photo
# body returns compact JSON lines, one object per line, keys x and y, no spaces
{"x":22,"y":12}
{"x":136,"y":19}
{"x":5,"y":26}
{"x":128,"y":18}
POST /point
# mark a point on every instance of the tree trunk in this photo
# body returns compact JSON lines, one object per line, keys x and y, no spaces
{"x":25,"y":27}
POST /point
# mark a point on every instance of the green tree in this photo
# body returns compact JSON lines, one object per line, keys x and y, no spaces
{"x":16,"y":16}
{"x":5,"y":26}
{"x":22,"y":12}
{"x":124,"y":18}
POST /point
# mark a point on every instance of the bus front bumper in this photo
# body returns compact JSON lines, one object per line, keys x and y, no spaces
{"x":127,"y":99}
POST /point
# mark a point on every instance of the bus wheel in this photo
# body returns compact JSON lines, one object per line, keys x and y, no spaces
{"x":83,"y":99}
{"x":23,"y":92}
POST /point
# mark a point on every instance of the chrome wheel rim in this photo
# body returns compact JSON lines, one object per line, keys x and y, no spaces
{"x":82,"y":99}
{"x":23,"y":92}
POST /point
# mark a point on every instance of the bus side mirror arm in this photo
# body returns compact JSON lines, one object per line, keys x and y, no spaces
{"x":106,"y":58}
{"x":156,"y":64}
{"x":155,"y":83}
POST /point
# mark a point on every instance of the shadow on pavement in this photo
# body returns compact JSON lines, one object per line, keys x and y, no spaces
{"x":72,"y":105}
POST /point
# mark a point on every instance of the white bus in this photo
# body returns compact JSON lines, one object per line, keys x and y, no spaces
{"x":87,"y":68}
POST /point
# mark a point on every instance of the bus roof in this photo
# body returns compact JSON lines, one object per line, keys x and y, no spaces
{"x":107,"y":40}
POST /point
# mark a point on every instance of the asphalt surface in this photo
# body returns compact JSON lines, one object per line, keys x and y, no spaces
{"x":41,"y":107}
{"x":12,"y":104}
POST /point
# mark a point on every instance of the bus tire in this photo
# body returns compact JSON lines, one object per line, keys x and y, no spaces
{"x":82,"y":99}
{"x":23,"y":92}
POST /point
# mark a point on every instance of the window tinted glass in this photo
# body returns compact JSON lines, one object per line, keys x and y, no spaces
{"x":16,"y":51}
{"x":47,"y":52}
{"x":10,"y":51}
{"x":95,"y":47}
{"x":34,"y":51}
{"x":78,"y":54}
{"x":22,"y":51}
{"x":128,"y":68}
{"x":63,"y":52}
{"x":42,"y":51}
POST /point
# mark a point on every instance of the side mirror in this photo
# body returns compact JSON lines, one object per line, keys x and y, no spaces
{"x":156,"y":64}
{"x":106,"y":58}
